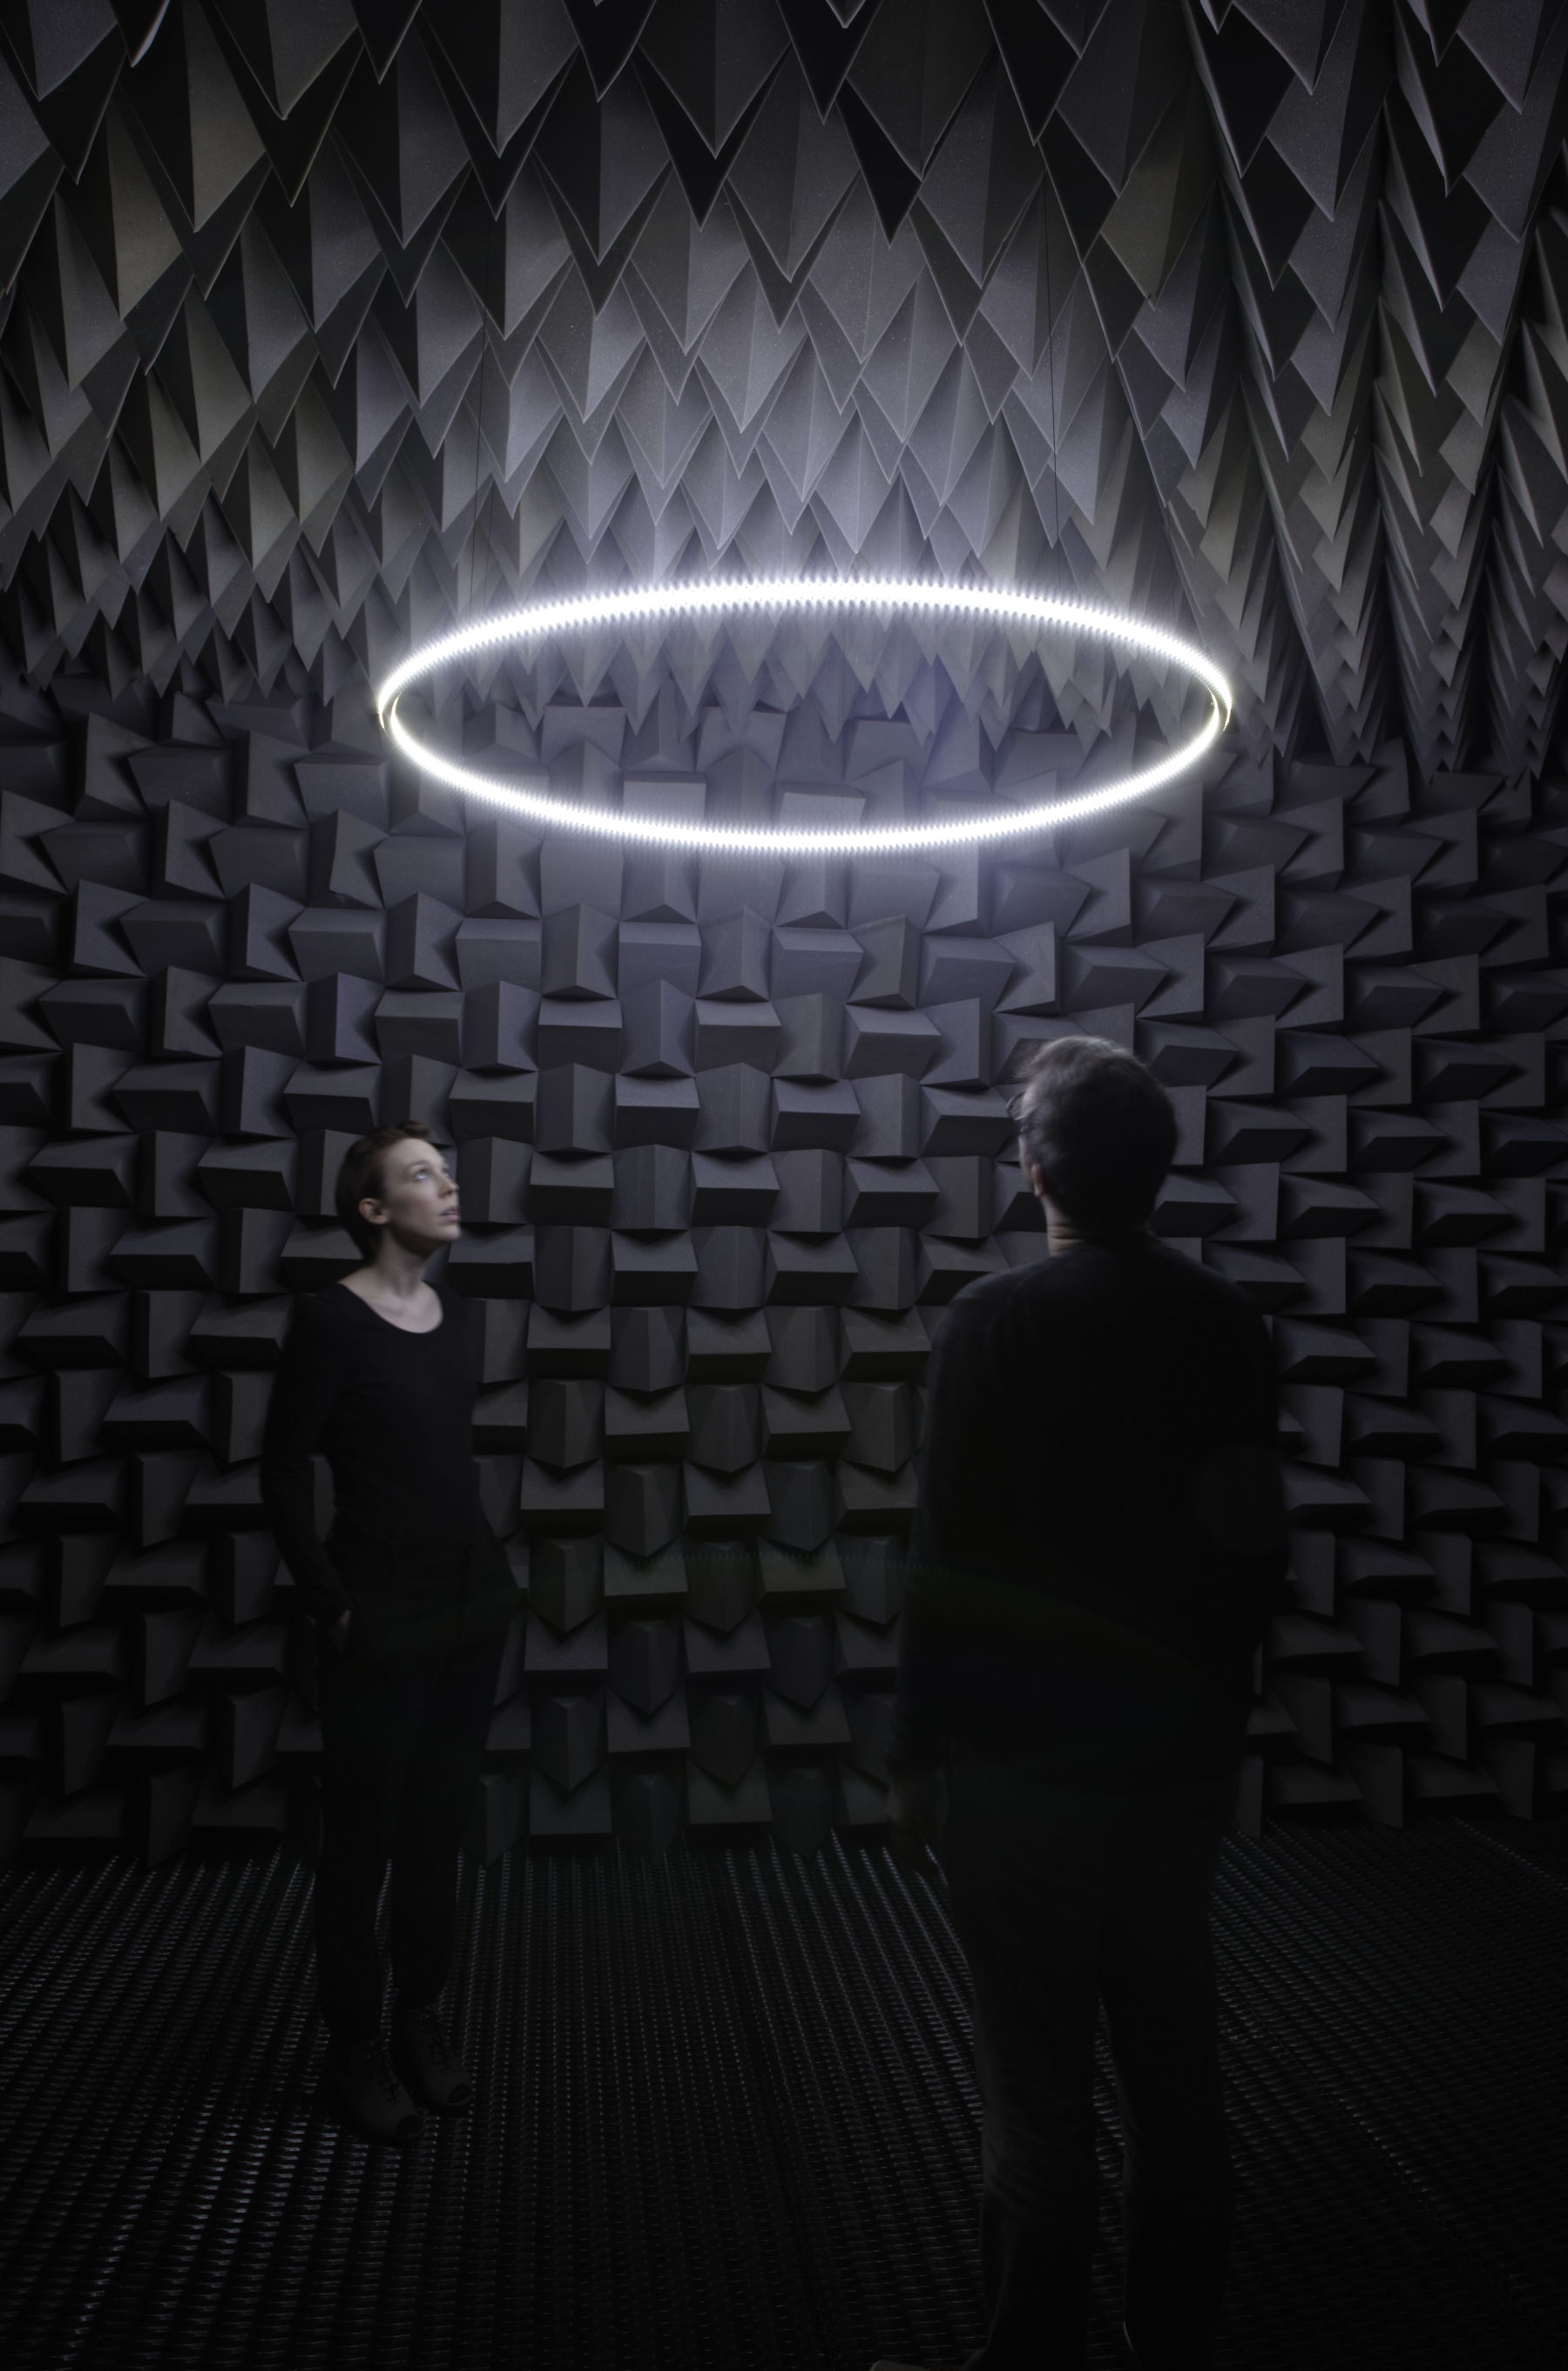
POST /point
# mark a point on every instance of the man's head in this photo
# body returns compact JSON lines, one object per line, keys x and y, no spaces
{"x":394,"y":1178}
{"x":1097,"y":1133}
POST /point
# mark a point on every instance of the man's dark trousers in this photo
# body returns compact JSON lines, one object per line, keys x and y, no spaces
{"x":404,"y":1725}
{"x":1063,"y":1901}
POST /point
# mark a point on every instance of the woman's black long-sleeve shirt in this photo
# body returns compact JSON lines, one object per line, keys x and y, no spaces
{"x":393,"y":1412}
{"x":1100,"y":1534}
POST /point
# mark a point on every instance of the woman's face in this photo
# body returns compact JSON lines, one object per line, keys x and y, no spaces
{"x":418,"y":1201}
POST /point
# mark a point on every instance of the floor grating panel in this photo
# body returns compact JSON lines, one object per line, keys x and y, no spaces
{"x":727,"y":2123}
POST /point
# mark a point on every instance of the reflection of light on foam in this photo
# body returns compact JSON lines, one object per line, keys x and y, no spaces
{"x":982,"y":601}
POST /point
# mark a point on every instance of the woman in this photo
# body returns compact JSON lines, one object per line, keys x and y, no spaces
{"x":411,"y":1595}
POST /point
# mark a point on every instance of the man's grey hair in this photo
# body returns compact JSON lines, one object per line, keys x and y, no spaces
{"x":1100,"y":1129}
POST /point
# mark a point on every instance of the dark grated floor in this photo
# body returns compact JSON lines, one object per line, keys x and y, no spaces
{"x":727,"y":2118}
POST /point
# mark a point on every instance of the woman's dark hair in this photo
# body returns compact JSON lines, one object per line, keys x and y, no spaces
{"x":1100,"y":1129}
{"x":361,"y":1173}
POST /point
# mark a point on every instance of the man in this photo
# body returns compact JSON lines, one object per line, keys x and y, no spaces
{"x":1099,"y":1541}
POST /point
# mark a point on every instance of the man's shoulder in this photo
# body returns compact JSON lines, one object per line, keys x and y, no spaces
{"x":987,"y":1299}
{"x":1056,"y":1284}
{"x":1184,"y":1277}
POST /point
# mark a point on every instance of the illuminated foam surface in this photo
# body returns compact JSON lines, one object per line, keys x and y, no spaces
{"x":1045,"y":613}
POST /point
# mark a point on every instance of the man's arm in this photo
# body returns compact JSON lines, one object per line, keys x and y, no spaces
{"x":968,"y":1471}
{"x":1238,"y":1498}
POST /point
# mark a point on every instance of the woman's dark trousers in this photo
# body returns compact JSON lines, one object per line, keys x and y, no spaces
{"x":1062,"y":1901}
{"x":405,"y":1711}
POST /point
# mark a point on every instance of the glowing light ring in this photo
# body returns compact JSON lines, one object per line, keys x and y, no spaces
{"x":984,"y":602}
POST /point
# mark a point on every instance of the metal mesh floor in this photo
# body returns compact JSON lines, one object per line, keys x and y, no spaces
{"x":726,"y":2118}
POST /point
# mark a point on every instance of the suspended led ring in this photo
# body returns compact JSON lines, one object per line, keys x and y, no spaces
{"x":983,"y":602}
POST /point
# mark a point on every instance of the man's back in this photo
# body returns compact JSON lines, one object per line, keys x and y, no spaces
{"x":1100,"y":1538}
{"x":1100,"y":1533}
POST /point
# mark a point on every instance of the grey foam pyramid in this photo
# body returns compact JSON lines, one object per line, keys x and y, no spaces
{"x":325,"y":324}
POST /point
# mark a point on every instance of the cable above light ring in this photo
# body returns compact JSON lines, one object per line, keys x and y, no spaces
{"x":638,"y":605}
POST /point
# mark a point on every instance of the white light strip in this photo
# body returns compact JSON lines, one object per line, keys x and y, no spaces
{"x":787,"y":593}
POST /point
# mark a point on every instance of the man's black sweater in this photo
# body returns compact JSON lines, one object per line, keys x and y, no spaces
{"x":1100,"y":1534}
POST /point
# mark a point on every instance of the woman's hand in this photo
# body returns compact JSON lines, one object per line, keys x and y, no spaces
{"x":340,"y":1629}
